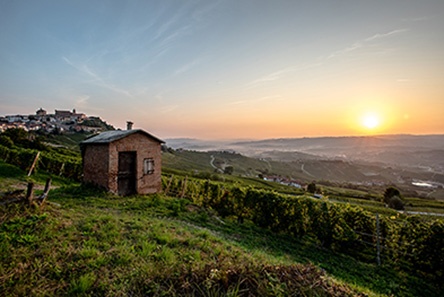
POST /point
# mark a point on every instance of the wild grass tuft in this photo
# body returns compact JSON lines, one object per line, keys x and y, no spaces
{"x":82,"y":284}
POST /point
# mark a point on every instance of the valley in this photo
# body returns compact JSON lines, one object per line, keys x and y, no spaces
{"x":407,"y":161}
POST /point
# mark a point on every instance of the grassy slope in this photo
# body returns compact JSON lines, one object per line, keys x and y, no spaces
{"x":245,"y":166}
{"x":246,"y":169}
{"x":99,"y":244}
{"x":70,"y":141}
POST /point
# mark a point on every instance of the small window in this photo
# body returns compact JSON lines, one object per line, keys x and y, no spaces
{"x":148,"y":166}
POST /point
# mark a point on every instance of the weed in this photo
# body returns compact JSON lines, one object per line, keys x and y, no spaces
{"x":82,"y":284}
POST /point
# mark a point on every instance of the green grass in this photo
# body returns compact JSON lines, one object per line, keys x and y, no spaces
{"x":193,"y":161}
{"x":87,"y":242}
{"x":197,"y":165}
{"x":429,"y":205}
{"x":438,"y":194}
{"x":233,"y":179}
{"x":350,"y":193}
{"x":370,"y":205}
{"x":134,"y":247}
{"x":411,"y":204}
{"x":12,"y":177}
{"x":70,"y":141}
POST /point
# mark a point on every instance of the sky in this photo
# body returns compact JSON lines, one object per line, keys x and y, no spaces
{"x":241,"y":69}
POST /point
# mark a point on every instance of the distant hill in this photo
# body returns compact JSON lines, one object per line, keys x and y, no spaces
{"x":411,"y":151}
{"x":374,"y":161}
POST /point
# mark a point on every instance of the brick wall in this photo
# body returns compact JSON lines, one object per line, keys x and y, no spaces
{"x":95,"y":165}
{"x":145,"y":148}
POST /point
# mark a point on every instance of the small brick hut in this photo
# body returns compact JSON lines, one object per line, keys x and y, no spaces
{"x":124,"y":162}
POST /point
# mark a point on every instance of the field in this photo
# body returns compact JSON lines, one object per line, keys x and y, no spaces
{"x":86,"y":242}
{"x":198,"y":164}
{"x":212,"y":241}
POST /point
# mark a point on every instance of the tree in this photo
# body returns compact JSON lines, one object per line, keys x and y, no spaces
{"x":311,"y":188}
{"x":393,"y":198}
{"x":6,"y":141}
{"x":228,"y":169}
{"x":17,"y":135}
{"x":391,"y":192}
{"x":396,"y":203}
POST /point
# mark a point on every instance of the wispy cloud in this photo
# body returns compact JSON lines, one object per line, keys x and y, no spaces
{"x":362,"y":43}
{"x":188,"y":66}
{"x":384,"y":35}
{"x":419,"y":19}
{"x":173,"y":36}
{"x":238,"y":102}
{"x":171,"y":29}
{"x":166,"y":26}
{"x":82,"y":101}
{"x":203,"y":10}
{"x":168,"y":108}
{"x":256,"y":100}
{"x":276,"y":75}
{"x":97,"y":80}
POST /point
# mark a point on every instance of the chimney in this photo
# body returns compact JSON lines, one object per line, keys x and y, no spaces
{"x":129,"y":125}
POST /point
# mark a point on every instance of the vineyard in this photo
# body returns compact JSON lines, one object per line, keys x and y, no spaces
{"x":51,"y":162}
{"x":340,"y":224}
{"x":410,"y":243}
{"x":406,"y":241}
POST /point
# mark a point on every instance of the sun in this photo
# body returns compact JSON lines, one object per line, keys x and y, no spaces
{"x":370,"y":121}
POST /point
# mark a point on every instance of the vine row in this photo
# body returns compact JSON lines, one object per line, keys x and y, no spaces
{"x":58,"y":164}
{"x":410,"y":242}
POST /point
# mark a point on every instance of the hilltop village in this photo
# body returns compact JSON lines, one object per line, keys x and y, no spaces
{"x":61,"y":121}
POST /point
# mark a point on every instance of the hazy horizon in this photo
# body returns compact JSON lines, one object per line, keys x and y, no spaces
{"x":229,"y":69}
{"x":302,"y":137}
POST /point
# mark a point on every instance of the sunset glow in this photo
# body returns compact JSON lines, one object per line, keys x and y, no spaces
{"x":229,"y":69}
{"x":370,"y":121}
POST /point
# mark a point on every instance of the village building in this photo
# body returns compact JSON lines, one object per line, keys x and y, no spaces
{"x":62,"y":121}
{"x":82,"y":128}
{"x":41,"y":112}
{"x":124,"y":162}
{"x":66,"y":115}
{"x":16,"y":118}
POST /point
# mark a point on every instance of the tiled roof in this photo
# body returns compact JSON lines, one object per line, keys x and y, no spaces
{"x":110,"y":136}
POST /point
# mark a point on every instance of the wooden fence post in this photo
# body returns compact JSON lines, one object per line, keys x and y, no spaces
{"x":61,"y":169}
{"x":184,"y":187}
{"x":169,"y":185}
{"x":30,"y":193}
{"x":33,"y":164}
{"x":378,"y":245}
{"x":41,"y":199}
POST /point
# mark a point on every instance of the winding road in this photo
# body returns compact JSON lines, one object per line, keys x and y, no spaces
{"x":212,"y":162}
{"x":306,"y":172}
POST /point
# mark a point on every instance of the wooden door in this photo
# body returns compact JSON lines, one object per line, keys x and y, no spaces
{"x":126,"y":181}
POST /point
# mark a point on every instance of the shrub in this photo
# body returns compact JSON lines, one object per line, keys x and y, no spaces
{"x":396,"y":203}
{"x":389,"y":193}
{"x":6,"y":141}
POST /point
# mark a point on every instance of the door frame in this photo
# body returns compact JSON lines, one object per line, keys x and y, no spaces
{"x":127,"y":180}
